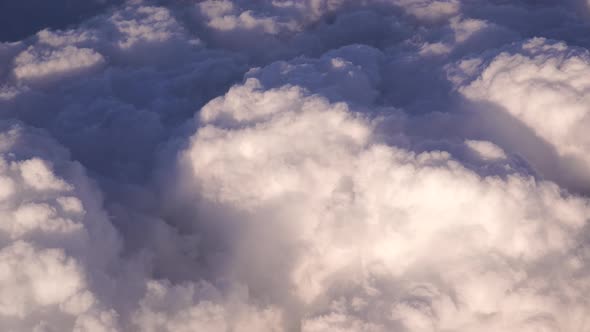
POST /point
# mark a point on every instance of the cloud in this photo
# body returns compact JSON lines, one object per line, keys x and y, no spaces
{"x":222,"y":17}
{"x":430,"y":10}
{"x":541,"y":84}
{"x":382,"y":165}
{"x":135,"y":65}
{"x":55,"y":237}
{"x":32,"y":65}
{"x":362,"y":221}
{"x":486,"y":150}
{"x":193,"y":306}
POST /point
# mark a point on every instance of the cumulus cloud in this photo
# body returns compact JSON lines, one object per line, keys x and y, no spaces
{"x":31,"y":65}
{"x":197,"y":307}
{"x":541,"y":84}
{"x":317,"y":165}
{"x":362,"y":221}
{"x":56,"y":239}
{"x":430,"y":10}
{"x":486,"y":150}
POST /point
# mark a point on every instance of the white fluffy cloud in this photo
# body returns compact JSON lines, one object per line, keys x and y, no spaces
{"x":197,"y":307}
{"x":382,"y":238}
{"x":430,"y":10}
{"x":486,"y":150}
{"x":543,"y":85}
{"x":32,"y":65}
{"x":279,"y":165}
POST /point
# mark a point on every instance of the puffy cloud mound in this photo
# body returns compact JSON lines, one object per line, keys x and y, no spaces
{"x":31,"y":64}
{"x":197,"y":307}
{"x":56,"y":241}
{"x":379,"y":238}
{"x":543,"y":85}
{"x":281,"y":165}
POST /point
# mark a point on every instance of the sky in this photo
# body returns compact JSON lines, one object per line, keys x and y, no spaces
{"x":294,"y":165}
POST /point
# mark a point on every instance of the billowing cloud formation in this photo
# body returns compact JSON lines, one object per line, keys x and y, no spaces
{"x":52,"y":226}
{"x":381,"y":238}
{"x":379,"y":165}
{"x":541,"y":84}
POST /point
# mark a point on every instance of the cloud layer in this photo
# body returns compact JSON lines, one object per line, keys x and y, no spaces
{"x":385,"y":165}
